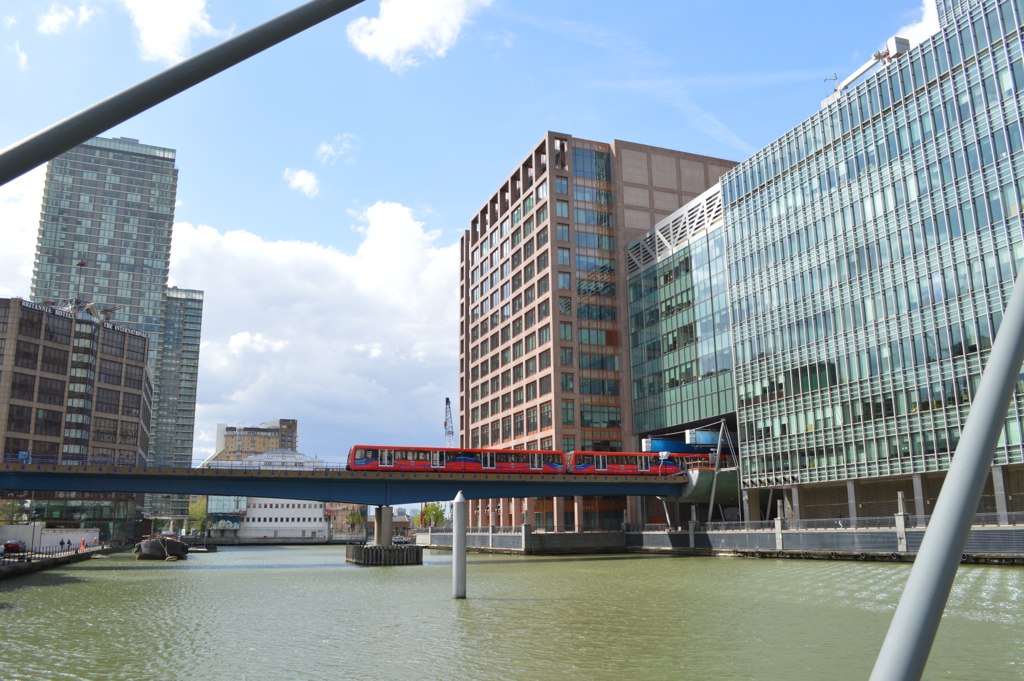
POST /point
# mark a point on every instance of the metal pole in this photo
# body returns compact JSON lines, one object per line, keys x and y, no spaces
{"x":912,"y":631}
{"x":86,"y":124}
{"x":459,"y":546}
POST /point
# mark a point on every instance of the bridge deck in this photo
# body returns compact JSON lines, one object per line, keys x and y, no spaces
{"x":329,"y":484}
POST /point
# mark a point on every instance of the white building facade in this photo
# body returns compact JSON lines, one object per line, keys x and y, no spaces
{"x":256,"y":520}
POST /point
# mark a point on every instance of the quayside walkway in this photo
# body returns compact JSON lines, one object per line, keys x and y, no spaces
{"x":992,"y":539}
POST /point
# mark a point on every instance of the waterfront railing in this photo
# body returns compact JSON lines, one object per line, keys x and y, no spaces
{"x":33,"y":553}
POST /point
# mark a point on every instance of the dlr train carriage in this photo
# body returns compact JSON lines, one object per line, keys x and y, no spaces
{"x":449,"y":460}
{"x":636,"y":463}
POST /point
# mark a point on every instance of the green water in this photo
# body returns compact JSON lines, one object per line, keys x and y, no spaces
{"x":303,"y":613}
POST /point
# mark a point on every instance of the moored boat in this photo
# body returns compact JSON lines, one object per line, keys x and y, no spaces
{"x":161,"y":547}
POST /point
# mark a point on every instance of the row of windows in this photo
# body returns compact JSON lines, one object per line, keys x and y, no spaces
{"x":528,"y":421}
{"x":925,"y":63}
{"x":984,"y":208}
{"x":956,"y":281}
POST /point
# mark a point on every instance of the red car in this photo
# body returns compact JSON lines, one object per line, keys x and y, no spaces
{"x":14,"y":546}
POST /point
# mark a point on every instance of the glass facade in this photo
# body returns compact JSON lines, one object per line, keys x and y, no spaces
{"x":679,"y":334}
{"x":871,"y":251}
{"x":174,"y":420}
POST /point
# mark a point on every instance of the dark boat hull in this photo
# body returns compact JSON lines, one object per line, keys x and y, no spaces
{"x":161,"y":548}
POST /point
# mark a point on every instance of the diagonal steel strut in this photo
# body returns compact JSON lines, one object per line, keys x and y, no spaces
{"x":39,"y":148}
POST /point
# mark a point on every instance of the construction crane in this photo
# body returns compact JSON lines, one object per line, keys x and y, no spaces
{"x":449,"y":430}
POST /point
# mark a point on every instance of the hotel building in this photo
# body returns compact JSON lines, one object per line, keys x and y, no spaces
{"x":543,"y":329}
{"x":74,"y":390}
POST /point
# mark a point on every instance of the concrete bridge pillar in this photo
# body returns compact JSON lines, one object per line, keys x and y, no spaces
{"x":578,"y":513}
{"x":493,"y":519}
{"x":506,"y":515}
{"x":530,"y":510}
{"x":851,"y":502}
{"x":999,"y":490}
{"x":558,"y":510}
{"x":919,"y":505}
{"x":383,"y":525}
{"x":634,"y":512}
{"x":517,"y":512}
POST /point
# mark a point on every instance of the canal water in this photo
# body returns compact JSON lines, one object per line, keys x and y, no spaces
{"x":303,"y":613}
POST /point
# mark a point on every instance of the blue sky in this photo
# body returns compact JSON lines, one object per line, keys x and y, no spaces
{"x":324,"y":184}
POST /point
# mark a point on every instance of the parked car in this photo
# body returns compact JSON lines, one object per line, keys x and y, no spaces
{"x":14,"y":546}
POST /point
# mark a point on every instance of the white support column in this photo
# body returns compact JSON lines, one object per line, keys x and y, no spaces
{"x":531,"y":505}
{"x":558,"y":510}
{"x":578,"y":513}
{"x":459,"y":546}
{"x":517,"y":512}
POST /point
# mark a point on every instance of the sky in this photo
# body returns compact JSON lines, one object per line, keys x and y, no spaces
{"x":324,"y":183}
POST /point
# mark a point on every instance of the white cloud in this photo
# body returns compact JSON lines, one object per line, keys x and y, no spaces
{"x":303,"y":180}
{"x":339,"y":147}
{"x":406,"y":28}
{"x":19,"y":54}
{"x":923,"y":28}
{"x":244,"y":342}
{"x":59,"y":17}
{"x":10,"y":21}
{"x":166,"y":27}
{"x":85,"y":13}
{"x":356,"y":346}
{"x":20,"y":201}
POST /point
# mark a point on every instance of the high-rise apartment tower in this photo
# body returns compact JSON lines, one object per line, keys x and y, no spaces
{"x":105,"y":239}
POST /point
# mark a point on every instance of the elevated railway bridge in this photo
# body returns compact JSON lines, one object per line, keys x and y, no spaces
{"x":381,"y":488}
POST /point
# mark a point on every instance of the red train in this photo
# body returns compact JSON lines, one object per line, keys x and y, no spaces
{"x":447,"y":460}
{"x":450,"y":460}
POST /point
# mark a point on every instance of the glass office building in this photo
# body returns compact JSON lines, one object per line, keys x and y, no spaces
{"x":871,"y":251}
{"x":679,"y":337}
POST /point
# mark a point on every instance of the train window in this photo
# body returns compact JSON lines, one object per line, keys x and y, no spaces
{"x":643,"y":462}
{"x":387,"y":457}
{"x":436,"y":458}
